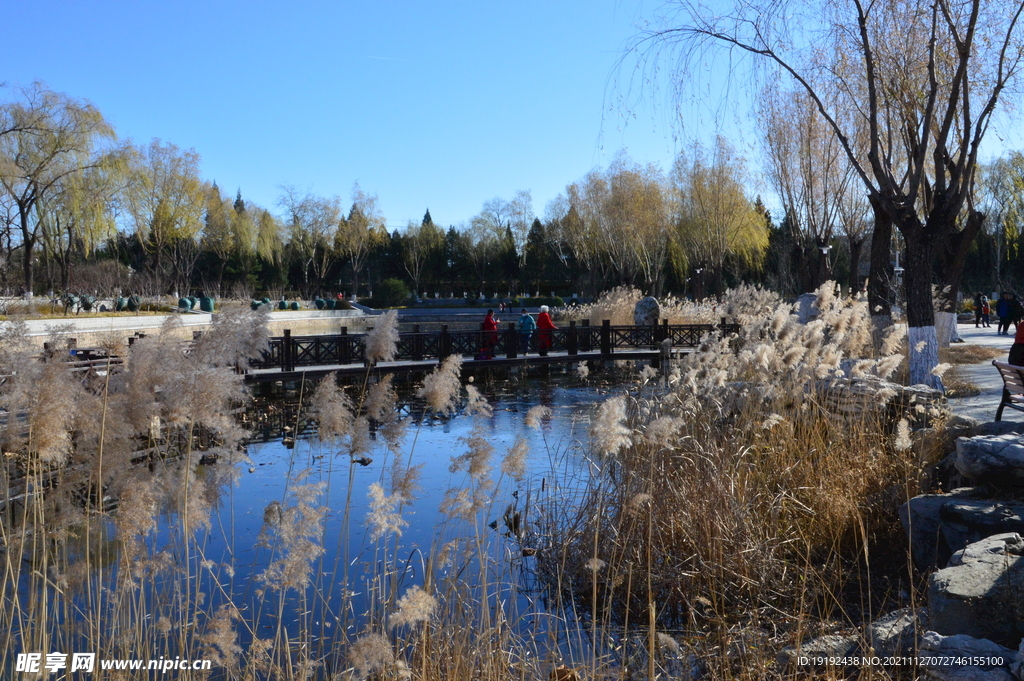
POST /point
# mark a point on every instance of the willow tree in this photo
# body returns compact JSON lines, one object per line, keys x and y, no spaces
{"x":165,"y":201}
{"x":808,"y":169}
{"x":45,"y":138}
{"x":218,"y":236}
{"x":923,"y":77}
{"x":618,"y":222}
{"x":77,"y":217}
{"x":716,"y":219}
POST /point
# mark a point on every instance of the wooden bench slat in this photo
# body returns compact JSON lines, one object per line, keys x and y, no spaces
{"x":1013,"y":387}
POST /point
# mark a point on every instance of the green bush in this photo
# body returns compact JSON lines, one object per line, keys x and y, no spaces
{"x":389,"y":293}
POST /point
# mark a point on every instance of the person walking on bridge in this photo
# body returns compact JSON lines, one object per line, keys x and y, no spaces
{"x":490,"y":336}
{"x":527,"y":325}
{"x":544,"y":336}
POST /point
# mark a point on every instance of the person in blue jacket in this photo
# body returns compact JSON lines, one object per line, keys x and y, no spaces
{"x":1003,"y":312}
{"x":527,"y":325}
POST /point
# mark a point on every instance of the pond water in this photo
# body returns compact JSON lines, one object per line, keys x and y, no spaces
{"x":356,"y":574}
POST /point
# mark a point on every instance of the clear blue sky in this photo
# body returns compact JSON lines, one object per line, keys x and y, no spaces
{"x":427,"y":104}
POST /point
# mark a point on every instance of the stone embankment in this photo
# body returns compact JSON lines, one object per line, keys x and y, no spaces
{"x":970,"y":541}
{"x":968,"y":537}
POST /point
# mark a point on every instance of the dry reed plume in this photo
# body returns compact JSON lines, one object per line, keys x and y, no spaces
{"x":740,"y":497}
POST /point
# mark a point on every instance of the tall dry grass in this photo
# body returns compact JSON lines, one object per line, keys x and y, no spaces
{"x":724,"y":511}
{"x":617,"y":306}
{"x":752,"y":499}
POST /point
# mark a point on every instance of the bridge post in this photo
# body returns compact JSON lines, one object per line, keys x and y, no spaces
{"x":286,"y":351}
{"x":661,"y":332}
{"x":586,"y":336}
{"x":511,"y":341}
{"x":344,"y":347}
{"x":417,"y":343}
{"x":606,"y":337}
{"x":444,"y":344}
{"x":571,"y":341}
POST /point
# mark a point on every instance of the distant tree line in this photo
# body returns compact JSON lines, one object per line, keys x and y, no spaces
{"x":82,"y":211}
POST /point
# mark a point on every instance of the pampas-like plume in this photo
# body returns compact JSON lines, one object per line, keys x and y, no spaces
{"x":360,"y":441}
{"x":370,"y":653}
{"x":333,"y":409}
{"x":382,"y":341}
{"x":384,"y":517}
{"x":295,"y":533}
{"x":608,"y":434}
{"x":514,"y":463}
{"x":536,"y":415}
{"x":441,"y":388}
{"x":902,"y":441}
{"x":414,"y":607}
{"x":476,"y":403}
{"x":405,"y":479}
{"x":477,"y":459}
{"x":381,"y":399}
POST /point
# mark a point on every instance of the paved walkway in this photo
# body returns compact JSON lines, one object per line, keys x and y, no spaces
{"x":983,"y":375}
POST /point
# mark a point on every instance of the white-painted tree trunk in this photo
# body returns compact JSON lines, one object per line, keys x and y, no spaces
{"x":924,"y":356}
{"x":945,"y":328}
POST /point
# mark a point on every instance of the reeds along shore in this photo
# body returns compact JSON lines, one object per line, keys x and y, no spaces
{"x":728,"y":510}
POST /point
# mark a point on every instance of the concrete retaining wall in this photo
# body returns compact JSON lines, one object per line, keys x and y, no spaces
{"x":92,"y":331}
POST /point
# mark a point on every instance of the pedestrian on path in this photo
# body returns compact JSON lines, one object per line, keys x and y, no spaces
{"x":527,"y":325}
{"x":1016,"y":357}
{"x":545,"y":326}
{"x":1003,"y":312}
{"x":490,"y":336}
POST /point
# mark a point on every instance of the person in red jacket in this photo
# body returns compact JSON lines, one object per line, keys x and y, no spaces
{"x":1016,"y":357}
{"x":490,"y":329}
{"x":544,"y":328}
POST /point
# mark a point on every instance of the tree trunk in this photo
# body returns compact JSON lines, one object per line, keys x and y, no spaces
{"x":951,"y":271}
{"x":880,"y":277}
{"x":856,"y":247}
{"x":28,"y":242}
{"x":923,"y":345}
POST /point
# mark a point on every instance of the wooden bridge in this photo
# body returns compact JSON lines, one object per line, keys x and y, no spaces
{"x":290,"y":357}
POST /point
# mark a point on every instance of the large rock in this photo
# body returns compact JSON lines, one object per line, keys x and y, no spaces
{"x":999,"y":428}
{"x":806,"y":307}
{"x":980,"y":593}
{"x":942,"y":654}
{"x":939,"y":525}
{"x":897,"y":633}
{"x":831,"y":645}
{"x":993,"y":459}
{"x":647,"y":312}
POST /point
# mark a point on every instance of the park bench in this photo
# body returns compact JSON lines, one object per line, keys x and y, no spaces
{"x":1013,"y":387}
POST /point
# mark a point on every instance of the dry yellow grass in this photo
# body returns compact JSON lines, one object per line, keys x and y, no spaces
{"x":964,"y":353}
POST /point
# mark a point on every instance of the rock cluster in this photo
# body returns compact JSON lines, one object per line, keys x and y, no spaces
{"x":971,"y":538}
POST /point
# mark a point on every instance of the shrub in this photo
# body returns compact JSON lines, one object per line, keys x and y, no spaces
{"x":389,"y":293}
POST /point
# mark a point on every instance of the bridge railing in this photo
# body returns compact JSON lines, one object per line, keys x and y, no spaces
{"x":288,"y":352}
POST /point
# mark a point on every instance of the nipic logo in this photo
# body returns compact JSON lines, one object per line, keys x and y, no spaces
{"x":55,"y":662}
{"x":36,"y":663}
